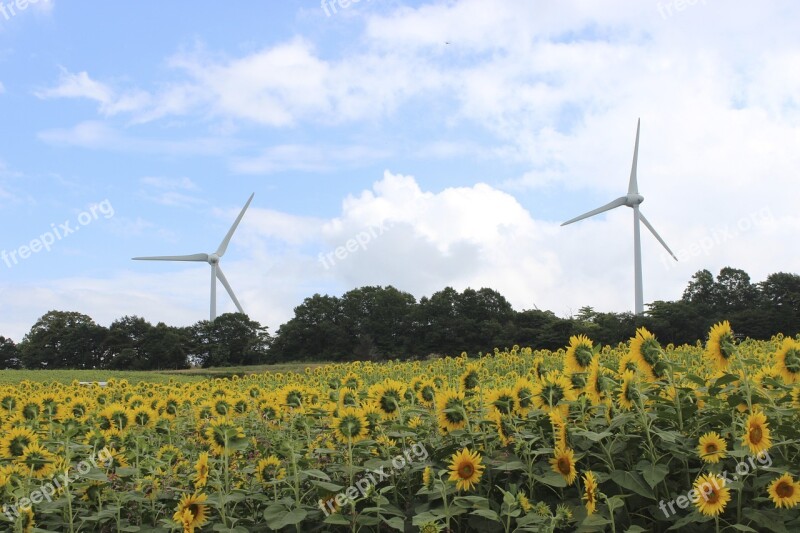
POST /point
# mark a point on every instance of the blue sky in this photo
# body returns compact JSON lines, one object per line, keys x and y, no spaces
{"x":469,"y":129}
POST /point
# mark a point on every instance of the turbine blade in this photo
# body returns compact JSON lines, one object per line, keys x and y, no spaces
{"x":611,"y":205}
{"x":655,"y":233}
{"x":633,"y":185}
{"x":227,"y":286}
{"x":224,"y":244}
{"x":193,"y":257}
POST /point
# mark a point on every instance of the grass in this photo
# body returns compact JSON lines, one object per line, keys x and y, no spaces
{"x":12,"y":377}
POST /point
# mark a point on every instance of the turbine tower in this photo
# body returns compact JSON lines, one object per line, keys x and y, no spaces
{"x":213,"y":260}
{"x":633,"y":199}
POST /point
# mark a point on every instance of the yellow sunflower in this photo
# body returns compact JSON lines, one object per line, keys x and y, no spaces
{"x":350,"y":426}
{"x":590,"y":492}
{"x":37,"y":461}
{"x":597,"y":384}
{"x":579,"y":354}
{"x":15,"y":441}
{"x":427,"y":478}
{"x":720,"y":346}
{"x":563,"y":462}
{"x":195,"y":505}
{"x":466,"y":469}
{"x":470,"y":379}
{"x":784,"y":492}
{"x":201,"y":471}
{"x":524,"y":503}
{"x":712,"y":447}
{"x":523,"y":392}
{"x":711,"y":494}
{"x":269,"y":470}
{"x":648,"y":354}
{"x":629,"y":391}
{"x":756,"y":433}
{"x":426,"y":395}
{"x":223,"y":435}
{"x":388,"y":396}
{"x":503,"y":400}
{"x":787,"y":360}
{"x":451,"y":410}
{"x":552,"y":392}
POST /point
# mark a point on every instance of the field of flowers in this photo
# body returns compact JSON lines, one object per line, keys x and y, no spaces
{"x":635,"y":437}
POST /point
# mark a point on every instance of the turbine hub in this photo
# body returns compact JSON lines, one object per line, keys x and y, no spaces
{"x":213,"y":259}
{"x":633,"y":200}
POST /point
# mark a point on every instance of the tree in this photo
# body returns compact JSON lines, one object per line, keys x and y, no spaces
{"x":232,"y":339}
{"x":315,"y":332}
{"x":733,"y":291}
{"x":700,"y":291}
{"x":9,"y":354}
{"x":64,"y":339}
{"x":125,"y":344}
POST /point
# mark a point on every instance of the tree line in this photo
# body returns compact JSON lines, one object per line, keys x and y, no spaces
{"x":379,"y":323}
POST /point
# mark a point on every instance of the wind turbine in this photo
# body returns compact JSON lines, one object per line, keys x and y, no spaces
{"x":633,"y":199}
{"x":213,"y":260}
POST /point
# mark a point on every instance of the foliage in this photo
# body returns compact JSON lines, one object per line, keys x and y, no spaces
{"x":584,"y":438}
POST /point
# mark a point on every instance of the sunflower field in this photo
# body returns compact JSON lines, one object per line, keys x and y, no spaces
{"x":629,"y":438}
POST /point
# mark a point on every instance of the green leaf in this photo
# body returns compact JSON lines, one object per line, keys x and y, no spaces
{"x":654,"y":474}
{"x":396,"y":523}
{"x":636,"y":529}
{"x":487,"y":513}
{"x":330,"y":487}
{"x":632,"y":481}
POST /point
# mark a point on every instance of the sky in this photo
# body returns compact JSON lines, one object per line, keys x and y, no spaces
{"x":446,"y":141}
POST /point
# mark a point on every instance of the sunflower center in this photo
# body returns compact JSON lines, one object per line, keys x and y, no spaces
{"x":583,"y":354}
{"x":784,"y":490}
{"x":711,"y":448}
{"x":564,"y":466}
{"x":713,"y":497}
{"x":792,"y":361}
{"x":465,"y":471}
{"x":756,"y":435}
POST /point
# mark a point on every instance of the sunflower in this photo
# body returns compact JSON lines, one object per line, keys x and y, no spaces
{"x":551,"y":391}
{"x":471,"y":378}
{"x":559,"y":428}
{"x":597,"y":384}
{"x":15,"y":442}
{"x":426,"y":395}
{"x":503,"y":400}
{"x":451,"y":410}
{"x":144,"y":417}
{"x":387,"y":397}
{"x":712,"y":448}
{"x":348,"y":398}
{"x":590,"y":492}
{"x":579,"y":354}
{"x":756,"y":433}
{"x":788,"y":360}
{"x":784,"y":492}
{"x":26,"y":520}
{"x":427,"y":478}
{"x":350,"y":426}
{"x":720,"y":346}
{"x":465,"y":469}
{"x":796,"y":397}
{"x":627,"y":362}
{"x":37,"y":461}
{"x":505,"y":432}
{"x":169,"y":454}
{"x":201,"y":471}
{"x":563,"y":462}
{"x":115,"y":416}
{"x":629,"y":391}
{"x":648,"y":354}
{"x":223,"y":434}
{"x":269,"y":470}
{"x":711,"y":494}
{"x":523,"y":392}
{"x":196,"y":508}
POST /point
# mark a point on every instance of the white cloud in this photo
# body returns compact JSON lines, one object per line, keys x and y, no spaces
{"x":306,"y":158}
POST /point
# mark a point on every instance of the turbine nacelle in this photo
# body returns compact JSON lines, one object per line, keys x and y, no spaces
{"x":213,"y":259}
{"x":632,"y":200}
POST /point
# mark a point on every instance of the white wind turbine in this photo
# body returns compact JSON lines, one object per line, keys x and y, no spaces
{"x":213,"y":260}
{"x":632,"y":199}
